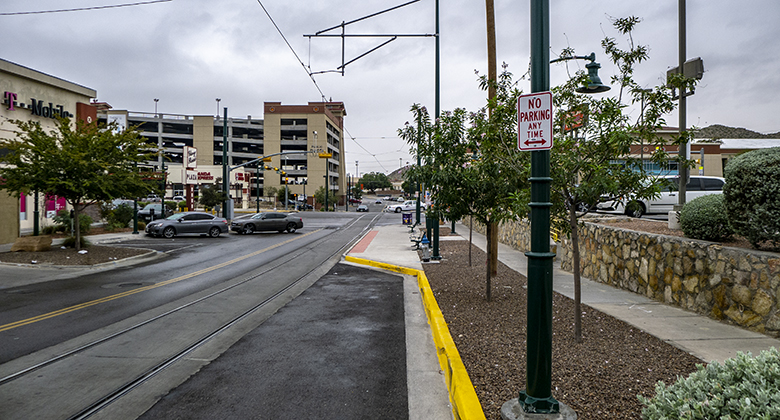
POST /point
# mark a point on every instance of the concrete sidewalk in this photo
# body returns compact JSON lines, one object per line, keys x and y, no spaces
{"x":698,"y":335}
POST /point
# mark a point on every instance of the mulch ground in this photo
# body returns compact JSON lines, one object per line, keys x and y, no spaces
{"x":599,"y":378}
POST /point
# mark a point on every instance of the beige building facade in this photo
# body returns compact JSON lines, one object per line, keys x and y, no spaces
{"x":294,"y":137}
{"x":30,"y":95}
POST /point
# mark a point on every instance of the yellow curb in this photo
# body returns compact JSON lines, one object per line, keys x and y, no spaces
{"x":465,"y":404}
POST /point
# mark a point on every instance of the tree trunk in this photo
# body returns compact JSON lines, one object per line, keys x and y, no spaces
{"x":471,"y":231}
{"x":489,"y":227}
{"x":76,"y":227}
{"x":575,"y":251}
{"x":493,"y":246}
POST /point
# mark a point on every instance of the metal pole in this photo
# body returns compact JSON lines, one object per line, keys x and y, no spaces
{"x":225,"y":173}
{"x":135,"y":205}
{"x":257,"y":185}
{"x":36,"y":215}
{"x":537,"y":396}
{"x":682,"y":110}
{"x":435,"y":239}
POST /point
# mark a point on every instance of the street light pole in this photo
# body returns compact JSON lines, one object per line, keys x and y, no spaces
{"x":435,"y":239}
{"x":537,"y":397}
{"x":225,"y":172}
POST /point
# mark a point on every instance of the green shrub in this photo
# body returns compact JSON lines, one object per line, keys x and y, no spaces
{"x":742,"y":388}
{"x":182,"y":205}
{"x":70,"y":242}
{"x":121,"y":215}
{"x":752,"y":195}
{"x":705,"y":218}
{"x":63,"y":220}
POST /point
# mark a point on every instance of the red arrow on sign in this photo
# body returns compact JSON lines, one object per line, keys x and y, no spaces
{"x":530,"y":142}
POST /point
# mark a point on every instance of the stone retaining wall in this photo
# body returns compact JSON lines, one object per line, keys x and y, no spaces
{"x":741,"y":286}
{"x":734,"y":284}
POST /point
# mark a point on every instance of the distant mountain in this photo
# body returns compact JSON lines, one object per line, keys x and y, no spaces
{"x":718,"y":131}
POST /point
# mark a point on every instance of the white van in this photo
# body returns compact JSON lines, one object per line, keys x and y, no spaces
{"x":697,"y":186}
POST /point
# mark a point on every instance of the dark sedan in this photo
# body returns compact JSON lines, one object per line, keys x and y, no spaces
{"x":153,"y":211}
{"x":191,"y":222}
{"x":263,"y":222}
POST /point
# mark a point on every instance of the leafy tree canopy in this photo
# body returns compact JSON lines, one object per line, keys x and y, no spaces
{"x":375,"y":181}
{"x":83,"y":163}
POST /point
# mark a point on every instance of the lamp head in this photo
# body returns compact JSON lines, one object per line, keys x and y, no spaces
{"x":594,"y":81}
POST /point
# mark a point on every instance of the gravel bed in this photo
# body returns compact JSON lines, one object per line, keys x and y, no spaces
{"x":599,"y":378}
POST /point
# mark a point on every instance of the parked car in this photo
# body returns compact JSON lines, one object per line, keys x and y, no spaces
{"x":362,"y":208}
{"x":190,"y":222}
{"x":378,"y":201}
{"x":355,"y":200}
{"x":178,"y":198}
{"x":154,"y":198}
{"x":267,"y":221}
{"x":122,"y":202}
{"x":160,"y":212}
{"x":697,"y":186}
{"x":407,"y":205}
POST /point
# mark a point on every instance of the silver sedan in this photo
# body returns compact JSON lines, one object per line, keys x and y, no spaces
{"x":191,"y":222}
{"x":262,"y":222}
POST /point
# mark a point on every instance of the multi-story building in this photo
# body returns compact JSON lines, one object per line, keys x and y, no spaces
{"x":294,"y":136}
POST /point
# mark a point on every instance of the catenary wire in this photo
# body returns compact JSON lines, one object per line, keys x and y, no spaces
{"x":81,"y":9}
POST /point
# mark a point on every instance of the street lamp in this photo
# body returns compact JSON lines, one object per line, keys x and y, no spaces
{"x":155,"y":107}
{"x":594,"y":81}
{"x":537,"y":396}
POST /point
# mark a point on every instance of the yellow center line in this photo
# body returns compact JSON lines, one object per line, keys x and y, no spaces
{"x":69,"y":309}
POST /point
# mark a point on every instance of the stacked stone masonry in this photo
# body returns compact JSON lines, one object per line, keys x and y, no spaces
{"x":736,"y":285}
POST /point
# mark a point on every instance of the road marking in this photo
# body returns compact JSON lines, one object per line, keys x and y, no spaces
{"x":73,"y":308}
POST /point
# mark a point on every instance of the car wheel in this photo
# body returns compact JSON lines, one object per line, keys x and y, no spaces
{"x":248,"y":229}
{"x":291,"y":228}
{"x":169,"y":232}
{"x":635,"y":209}
{"x":397,"y":209}
{"x":214,"y":232}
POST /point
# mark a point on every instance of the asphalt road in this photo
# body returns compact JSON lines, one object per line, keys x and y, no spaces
{"x":337,"y":351}
{"x":66,"y":314}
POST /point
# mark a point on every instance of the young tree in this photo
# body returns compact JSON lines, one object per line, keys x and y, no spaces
{"x":84,"y":163}
{"x":591,"y":158}
{"x":476,"y":171}
{"x":319,"y":196}
{"x":211,"y":195}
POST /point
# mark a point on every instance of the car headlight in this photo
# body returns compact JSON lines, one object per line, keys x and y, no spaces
{"x":156,"y":224}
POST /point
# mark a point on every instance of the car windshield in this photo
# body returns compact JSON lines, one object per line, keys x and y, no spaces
{"x":176,"y":216}
{"x":153,"y":206}
{"x":258,"y":216}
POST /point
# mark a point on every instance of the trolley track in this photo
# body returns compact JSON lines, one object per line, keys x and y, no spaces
{"x":116,"y":393}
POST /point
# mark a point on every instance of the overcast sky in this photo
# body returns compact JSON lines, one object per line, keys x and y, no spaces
{"x":187,"y":53}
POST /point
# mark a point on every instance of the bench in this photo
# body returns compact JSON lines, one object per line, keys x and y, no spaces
{"x":417,"y":238}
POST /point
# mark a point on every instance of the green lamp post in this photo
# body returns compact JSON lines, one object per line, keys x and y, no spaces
{"x":537,"y":397}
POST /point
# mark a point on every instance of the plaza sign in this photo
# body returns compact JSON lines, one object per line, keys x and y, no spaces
{"x":534,"y":121}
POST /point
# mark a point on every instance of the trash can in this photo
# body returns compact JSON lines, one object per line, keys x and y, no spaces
{"x":407,"y":218}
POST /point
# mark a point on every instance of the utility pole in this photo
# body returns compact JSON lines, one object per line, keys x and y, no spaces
{"x":682,"y":150}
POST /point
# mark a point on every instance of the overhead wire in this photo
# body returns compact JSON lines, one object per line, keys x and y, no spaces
{"x":292,"y":49}
{"x":80,"y":9}
{"x":311,"y":76}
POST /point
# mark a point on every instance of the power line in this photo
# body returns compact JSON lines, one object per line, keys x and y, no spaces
{"x":293,"y":50}
{"x":80,"y":9}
